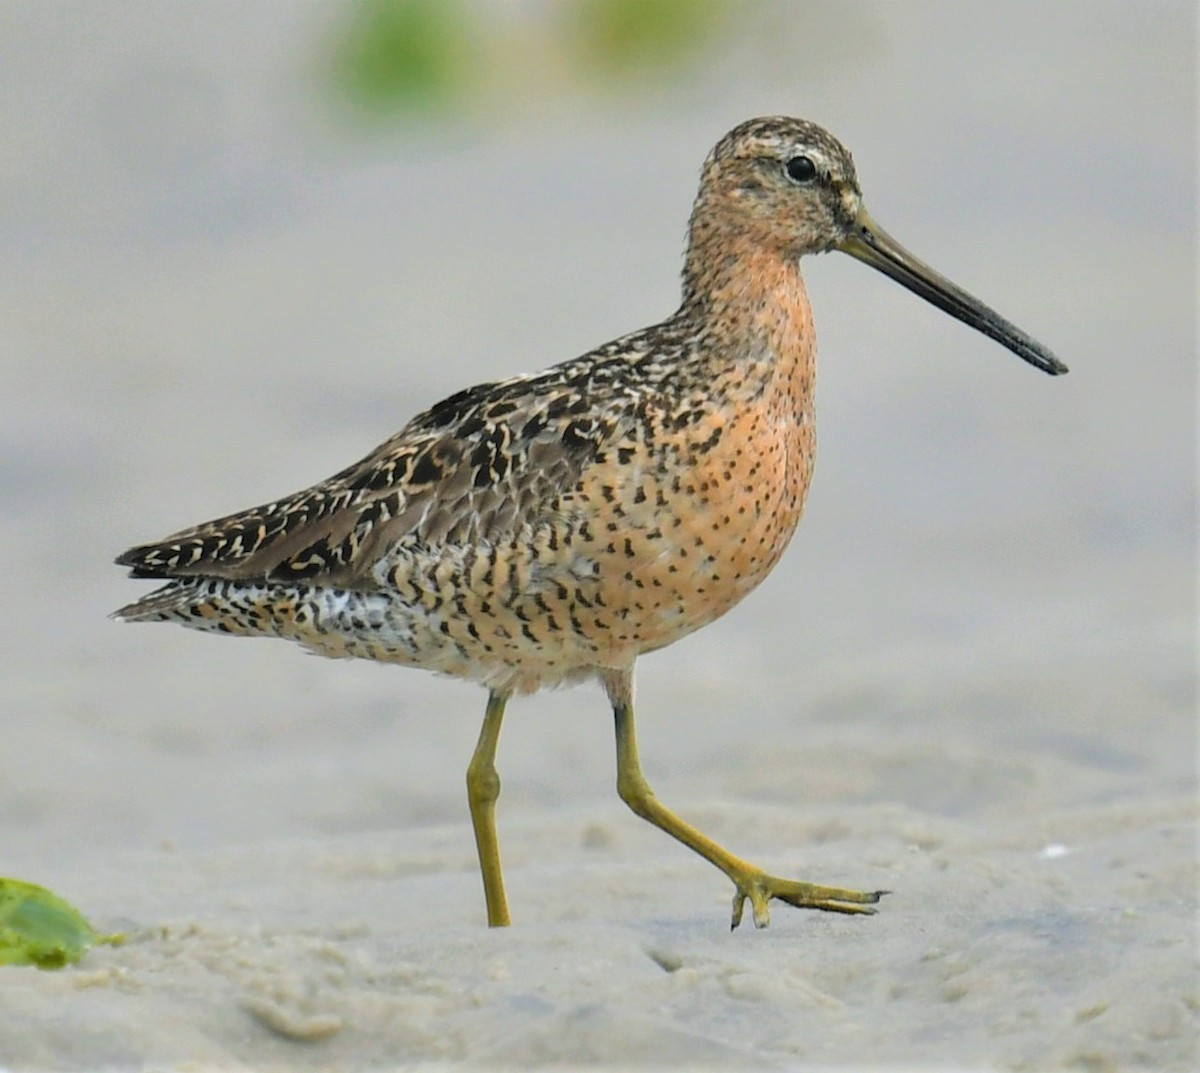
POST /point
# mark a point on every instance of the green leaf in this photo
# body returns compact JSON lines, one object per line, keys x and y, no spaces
{"x":39,"y":928}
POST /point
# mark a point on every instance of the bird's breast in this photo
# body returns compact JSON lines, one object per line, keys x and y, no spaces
{"x":694,"y":520}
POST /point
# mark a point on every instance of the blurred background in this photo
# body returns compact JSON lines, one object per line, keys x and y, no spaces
{"x":242,"y":244}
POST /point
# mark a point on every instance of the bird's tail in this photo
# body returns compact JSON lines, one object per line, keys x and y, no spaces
{"x":162,"y":605}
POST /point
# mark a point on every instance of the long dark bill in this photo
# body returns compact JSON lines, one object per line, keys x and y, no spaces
{"x":871,"y":244}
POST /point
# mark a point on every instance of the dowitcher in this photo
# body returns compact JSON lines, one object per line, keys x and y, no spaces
{"x":553,"y":527}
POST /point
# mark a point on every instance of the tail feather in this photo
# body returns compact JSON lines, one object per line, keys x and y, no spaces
{"x":159,"y":606}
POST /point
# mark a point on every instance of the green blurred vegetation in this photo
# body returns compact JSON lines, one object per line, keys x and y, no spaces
{"x":404,"y":54}
{"x":392,"y":58}
{"x":624,"y":35}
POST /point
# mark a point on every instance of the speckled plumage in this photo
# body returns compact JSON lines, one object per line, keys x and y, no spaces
{"x":555,"y":526}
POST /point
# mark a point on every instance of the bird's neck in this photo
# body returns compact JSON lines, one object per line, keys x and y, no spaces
{"x":751,"y":302}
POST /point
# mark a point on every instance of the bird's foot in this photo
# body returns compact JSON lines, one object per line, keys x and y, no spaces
{"x":760,"y":888}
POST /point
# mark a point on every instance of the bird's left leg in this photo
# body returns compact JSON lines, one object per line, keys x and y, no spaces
{"x":483,"y":788}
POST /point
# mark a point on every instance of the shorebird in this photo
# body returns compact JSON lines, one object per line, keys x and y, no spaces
{"x":554,"y":526}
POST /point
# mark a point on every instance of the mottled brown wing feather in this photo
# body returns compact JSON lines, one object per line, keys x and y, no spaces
{"x":471,"y":468}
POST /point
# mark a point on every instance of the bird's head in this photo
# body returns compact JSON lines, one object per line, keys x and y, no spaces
{"x":788,"y":187}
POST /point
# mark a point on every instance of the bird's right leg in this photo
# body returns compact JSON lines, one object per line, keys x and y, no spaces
{"x":483,"y":788}
{"x":751,"y":883}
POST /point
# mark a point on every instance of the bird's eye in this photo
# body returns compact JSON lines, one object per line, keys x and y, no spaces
{"x":801,"y":169}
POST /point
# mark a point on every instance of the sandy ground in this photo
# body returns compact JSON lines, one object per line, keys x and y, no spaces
{"x":971,"y":680}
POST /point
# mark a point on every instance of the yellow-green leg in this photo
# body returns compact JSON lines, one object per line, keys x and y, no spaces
{"x":483,"y":788}
{"x":750,"y":881}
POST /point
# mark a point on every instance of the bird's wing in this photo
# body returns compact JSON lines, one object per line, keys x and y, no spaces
{"x":475,"y":467}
